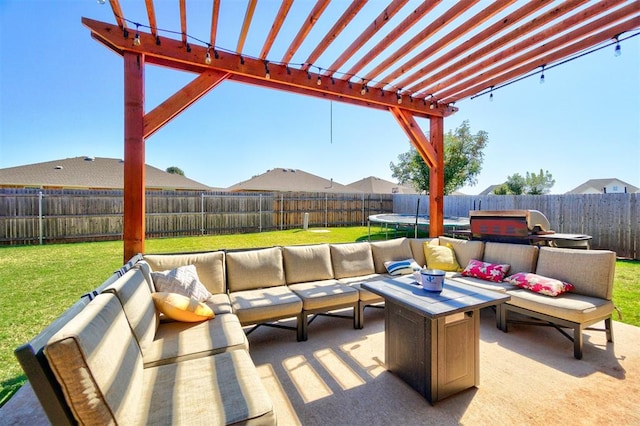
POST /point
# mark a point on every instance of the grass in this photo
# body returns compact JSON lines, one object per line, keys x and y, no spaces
{"x":38,"y":283}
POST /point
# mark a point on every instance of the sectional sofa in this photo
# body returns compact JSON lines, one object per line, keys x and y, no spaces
{"x":115,"y":358}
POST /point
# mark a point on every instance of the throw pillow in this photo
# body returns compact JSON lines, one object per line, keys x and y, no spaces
{"x":539,"y":283}
{"x":181,"y":308}
{"x":486,"y":271}
{"x":441,"y":257}
{"x":401,"y":267}
{"x":183,"y":280}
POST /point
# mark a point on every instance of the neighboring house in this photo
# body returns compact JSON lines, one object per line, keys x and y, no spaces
{"x":289,"y":180}
{"x":375,"y":185}
{"x":604,"y":186}
{"x":90,"y":173}
{"x":490,"y":189}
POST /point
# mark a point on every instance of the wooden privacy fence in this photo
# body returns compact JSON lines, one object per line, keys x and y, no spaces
{"x":613,"y":220}
{"x":33,"y":216}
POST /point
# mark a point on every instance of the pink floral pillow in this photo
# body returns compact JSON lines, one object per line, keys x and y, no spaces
{"x":486,"y":271}
{"x":539,"y":284}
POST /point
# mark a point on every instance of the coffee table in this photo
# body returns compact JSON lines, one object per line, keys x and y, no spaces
{"x":432,"y":339}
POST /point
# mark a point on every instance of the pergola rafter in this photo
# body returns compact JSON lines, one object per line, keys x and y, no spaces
{"x":445,"y":69}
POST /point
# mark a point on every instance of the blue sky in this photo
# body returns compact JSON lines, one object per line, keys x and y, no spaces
{"x":61,"y":96}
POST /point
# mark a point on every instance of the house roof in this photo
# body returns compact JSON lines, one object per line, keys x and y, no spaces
{"x":376,"y":185}
{"x":90,"y":173}
{"x":490,"y":189}
{"x":285,"y":179}
{"x":596,"y":185}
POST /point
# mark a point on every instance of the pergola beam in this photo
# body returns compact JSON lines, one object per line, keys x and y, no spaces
{"x":134,"y":155}
{"x":432,"y":152}
{"x":181,"y":100}
{"x":173,"y":54}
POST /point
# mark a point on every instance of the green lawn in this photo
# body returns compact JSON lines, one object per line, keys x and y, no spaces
{"x":39,"y":282}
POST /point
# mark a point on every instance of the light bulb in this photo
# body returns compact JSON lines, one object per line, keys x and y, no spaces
{"x":207,"y":58}
{"x":136,"y":40}
{"x":363,"y":90}
{"x":491,"y":97}
{"x":618,"y":51}
{"x":399,"y":99}
{"x":319,"y":81}
{"x":267,"y":75}
{"x":542,"y":78}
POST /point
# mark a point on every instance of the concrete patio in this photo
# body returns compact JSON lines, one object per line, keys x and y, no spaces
{"x":527,"y":377}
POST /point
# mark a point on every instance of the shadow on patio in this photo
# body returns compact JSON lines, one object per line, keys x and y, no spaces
{"x":527,"y":376}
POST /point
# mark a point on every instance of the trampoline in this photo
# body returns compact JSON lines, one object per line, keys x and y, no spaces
{"x":399,"y":221}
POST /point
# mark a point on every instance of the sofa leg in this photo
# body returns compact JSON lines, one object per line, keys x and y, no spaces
{"x":358,"y":315}
{"x":502,"y":314}
{"x":608,"y":326}
{"x":577,"y":342}
{"x":302,"y":327}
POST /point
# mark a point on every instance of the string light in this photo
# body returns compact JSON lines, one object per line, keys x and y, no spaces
{"x":618,"y":50}
{"x":491,"y":95}
{"x":399,"y":96}
{"x":542,"y":75}
{"x":267,"y":75}
{"x":207,"y":58}
{"x":136,"y":39}
{"x":364,"y":89}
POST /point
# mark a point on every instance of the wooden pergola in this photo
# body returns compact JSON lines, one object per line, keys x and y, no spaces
{"x":454,"y":50}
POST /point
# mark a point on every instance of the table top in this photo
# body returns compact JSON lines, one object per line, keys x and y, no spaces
{"x":455,"y":297}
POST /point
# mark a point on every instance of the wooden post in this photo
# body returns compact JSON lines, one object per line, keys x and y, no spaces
{"x":134,"y":155}
{"x":436,"y":178}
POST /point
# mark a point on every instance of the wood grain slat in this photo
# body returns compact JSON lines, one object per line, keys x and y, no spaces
{"x":304,"y":30}
{"x":275,"y":27}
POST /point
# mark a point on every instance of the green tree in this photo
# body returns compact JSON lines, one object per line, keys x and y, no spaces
{"x":531,"y":184}
{"x":175,"y":170}
{"x":463,"y":158}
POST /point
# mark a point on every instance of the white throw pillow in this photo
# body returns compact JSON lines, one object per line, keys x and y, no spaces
{"x":183,"y":280}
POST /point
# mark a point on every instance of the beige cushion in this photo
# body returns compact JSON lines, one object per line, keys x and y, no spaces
{"x":210,"y":267}
{"x":251,"y":269}
{"x":324,"y":294}
{"x":180,"y":341}
{"x":590,"y":271}
{"x":98,"y":363}
{"x":216,"y":390}
{"x":519,"y":257}
{"x":351,"y":259}
{"x":133,"y":292}
{"x":307,"y":263}
{"x":396,"y":249}
{"x":465,"y":249}
{"x":265,"y":304}
{"x":569,"y":306}
{"x":219,"y":304}
{"x":417,"y":248}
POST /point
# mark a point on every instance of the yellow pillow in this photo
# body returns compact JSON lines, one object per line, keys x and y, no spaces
{"x":181,"y":308}
{"x":441,"y":257}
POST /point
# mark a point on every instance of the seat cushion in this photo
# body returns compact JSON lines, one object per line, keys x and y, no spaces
{"x":324,"y":294}
{"x":222,"y":389}
{"x":265,"y":304}
{"x":307,"y":263}
{"x":98,"y":363}
{"x":252,"y":269}
{"x":219,"y":304}
{"x":396,"y":249}
{"x":569,"y":306}
{"x":210,"y":267}
{"x":351,"y":260}
{"x":180,"y":341}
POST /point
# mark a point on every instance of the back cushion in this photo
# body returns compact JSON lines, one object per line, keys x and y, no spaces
{"x":417,"y":248}
{"x":590,"y":271}
{"x":465,"y":249}
{"x":519,"y":257}
{"x":251,"y":269}
{"x":307,"y":263}
{"x":396,"y":249}
{"x":98,"y":364}
{"x":133,"y":292}
{"x":352,"y":260}
{"x":210,"y":267}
